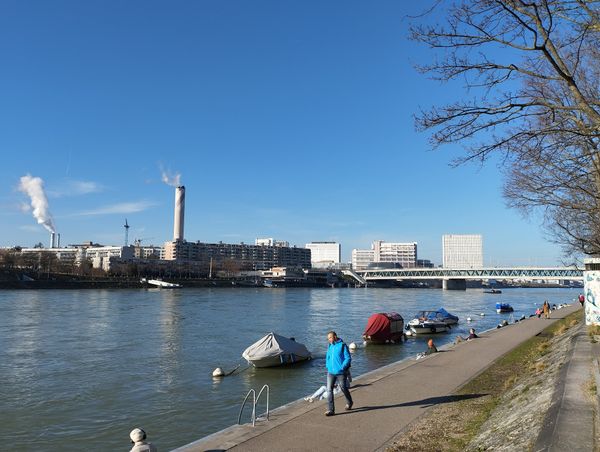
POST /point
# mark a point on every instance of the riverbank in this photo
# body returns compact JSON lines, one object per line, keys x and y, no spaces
{"x":518,"y":390}
{"x":387,"y":401}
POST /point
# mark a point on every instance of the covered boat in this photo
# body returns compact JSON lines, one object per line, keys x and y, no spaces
{"x":384,"y":328}
{"x":492,"y":291}
{"x":503,"y":307}
{"x":441,"y":315}
{"x":275,"y":350}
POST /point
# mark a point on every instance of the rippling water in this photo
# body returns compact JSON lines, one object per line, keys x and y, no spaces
{"x":82,"y":368}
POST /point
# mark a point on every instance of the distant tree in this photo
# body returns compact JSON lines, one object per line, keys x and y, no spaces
{"x":532,"y":75}
{"x":38,"y":245}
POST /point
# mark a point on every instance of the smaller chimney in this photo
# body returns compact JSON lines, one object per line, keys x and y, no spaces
{"x":52,"y":239}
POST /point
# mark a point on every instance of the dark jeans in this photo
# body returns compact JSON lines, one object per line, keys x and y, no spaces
{"x":331,"y":379}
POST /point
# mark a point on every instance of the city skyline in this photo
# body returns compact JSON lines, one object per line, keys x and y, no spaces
{"x":285,"y":121}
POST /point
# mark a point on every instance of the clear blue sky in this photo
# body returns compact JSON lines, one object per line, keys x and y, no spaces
{"x":285,"y":119}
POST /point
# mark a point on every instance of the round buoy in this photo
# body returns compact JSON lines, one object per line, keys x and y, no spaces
{"x":482,"y":314}
{"x":218,"y":372}
{"x":352,"y":346}
{"x":468,"y":319}
{"x":409,"y":333}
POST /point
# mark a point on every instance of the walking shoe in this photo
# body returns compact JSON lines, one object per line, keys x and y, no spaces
{"x":329,"y":413}
{"x":349,"y":406}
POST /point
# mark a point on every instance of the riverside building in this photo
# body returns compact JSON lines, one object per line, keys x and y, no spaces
{"x":403,"y":254}
{"x":324,"y":254}
{"x":462,"y":251}
{"x":241,"y":256}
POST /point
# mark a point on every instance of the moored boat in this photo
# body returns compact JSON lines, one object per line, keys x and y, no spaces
{"x":428,"y":327}
{"x":503,"y":307}
{"x":275,"y":350}
{"x":441,"y":315}
{"x":160,"y":283}
{"x":493,"y":291}
{"x":384,"y":328}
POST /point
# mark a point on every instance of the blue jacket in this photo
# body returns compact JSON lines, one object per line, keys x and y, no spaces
{"x":338,"y":358}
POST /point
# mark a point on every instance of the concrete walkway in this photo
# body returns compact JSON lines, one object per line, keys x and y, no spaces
{"x":386,"y":401}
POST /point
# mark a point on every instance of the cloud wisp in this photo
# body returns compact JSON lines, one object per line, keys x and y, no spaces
{"x":77,"y":188}
{"x":119,"y":208}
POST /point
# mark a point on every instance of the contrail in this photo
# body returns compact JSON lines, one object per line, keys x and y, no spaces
{"x":34,"y":188}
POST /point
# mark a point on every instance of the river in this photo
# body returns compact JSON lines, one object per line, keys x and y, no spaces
{"x":81,"y":368}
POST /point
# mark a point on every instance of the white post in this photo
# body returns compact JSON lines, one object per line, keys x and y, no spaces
{"x":591,"y":289}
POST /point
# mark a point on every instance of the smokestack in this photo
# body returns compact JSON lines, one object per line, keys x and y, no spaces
{"x":52,"y":239}
{"x":179,"y":213}
{"x":58,"y":240}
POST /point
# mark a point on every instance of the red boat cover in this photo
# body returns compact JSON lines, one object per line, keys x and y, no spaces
{"x":378,"y":325}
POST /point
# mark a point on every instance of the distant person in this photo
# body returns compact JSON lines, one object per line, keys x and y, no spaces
{"x":546,"y":309}
{"x":138,"y":439}
{"x":471,"y":336}
{"x":338,"y":361}
{"x":581,"y":299}
{"x":431,"y":348}
{"x":538,"y":312}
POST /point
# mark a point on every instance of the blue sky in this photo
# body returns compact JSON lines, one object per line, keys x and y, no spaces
{"x":285,"y":119}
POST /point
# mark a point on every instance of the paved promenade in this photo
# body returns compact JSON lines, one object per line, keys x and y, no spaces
{"x":386,"y":401}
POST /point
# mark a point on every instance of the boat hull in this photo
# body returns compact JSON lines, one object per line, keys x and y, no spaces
{"x":429,"y":328}
{"x":275,"y":361}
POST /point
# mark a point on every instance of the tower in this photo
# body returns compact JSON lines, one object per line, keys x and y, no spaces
{"x":179,"y":213}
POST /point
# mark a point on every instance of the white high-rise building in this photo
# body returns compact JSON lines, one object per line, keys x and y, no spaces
{"x":462,"y":251}
{"x":404,"y":254}
{"x":324,"y":254}
{"x":362,"y":258}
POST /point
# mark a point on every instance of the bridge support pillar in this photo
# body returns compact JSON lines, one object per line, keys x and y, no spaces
{"x":591,"y":289}
{"x":454,"y":284}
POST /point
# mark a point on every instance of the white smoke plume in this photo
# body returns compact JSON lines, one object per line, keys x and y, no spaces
{"x":34,"y":188}
{"x":174,"y":180}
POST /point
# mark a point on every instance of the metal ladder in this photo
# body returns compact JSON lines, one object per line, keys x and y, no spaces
{"x":255,"y":400}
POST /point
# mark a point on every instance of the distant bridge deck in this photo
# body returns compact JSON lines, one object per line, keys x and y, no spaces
{"x":520,"y":273}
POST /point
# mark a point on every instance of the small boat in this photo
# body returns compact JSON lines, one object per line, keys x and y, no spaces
{"x":492,"y":291}
{"x":441,"y":315}
{"x":429,"y":327}
{"x":275,"y":350}
{"x":384,"y":328}
{"x":503,"y":307}
{"x":160,"y":283}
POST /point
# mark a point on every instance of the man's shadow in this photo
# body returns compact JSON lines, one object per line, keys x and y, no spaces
{"x":424,"y":403}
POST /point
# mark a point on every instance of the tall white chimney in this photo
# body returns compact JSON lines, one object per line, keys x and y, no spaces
{"x":52,"y":239}
{"x":57,"y":240}
{"x":179,"y":213}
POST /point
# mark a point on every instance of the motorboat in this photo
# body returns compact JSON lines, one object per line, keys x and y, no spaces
{"x":503,"y":307}
{"x":428,"y":327}
{"x":384,"y":328}
{"x":160,"y":283}
{"x":493,"y":291}
{"x":275,"y":350}
{"x":441,"y":315}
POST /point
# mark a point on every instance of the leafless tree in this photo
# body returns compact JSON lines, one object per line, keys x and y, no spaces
{"x":532,"y":76}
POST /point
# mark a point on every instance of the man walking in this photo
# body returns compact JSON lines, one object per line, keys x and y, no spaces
{"x":338,"y":361}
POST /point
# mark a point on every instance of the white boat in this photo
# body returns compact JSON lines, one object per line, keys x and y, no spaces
{"x":275,"y":350}
{"x":428,"y":327}
{"x":160,"y":283}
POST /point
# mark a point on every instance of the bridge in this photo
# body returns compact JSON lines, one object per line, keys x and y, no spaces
{"x":456,"y":278}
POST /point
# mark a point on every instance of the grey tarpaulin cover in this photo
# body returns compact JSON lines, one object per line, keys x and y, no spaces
{"x":273,"y":347}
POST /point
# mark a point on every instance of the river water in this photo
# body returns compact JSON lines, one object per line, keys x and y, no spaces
{"x":81,"y":368}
